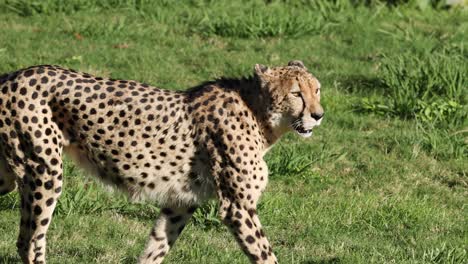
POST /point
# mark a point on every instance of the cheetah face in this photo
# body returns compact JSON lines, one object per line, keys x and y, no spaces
{"x":295,"y":97}
{"x":303,"y":105}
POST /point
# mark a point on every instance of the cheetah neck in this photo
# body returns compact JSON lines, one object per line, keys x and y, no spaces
{"x":251,"y":93}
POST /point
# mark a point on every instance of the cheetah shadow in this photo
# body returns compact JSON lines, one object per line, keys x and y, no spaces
{"x":323,"y":261}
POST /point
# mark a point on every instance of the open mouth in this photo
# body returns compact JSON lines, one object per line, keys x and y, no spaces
{"x":304,"y":132}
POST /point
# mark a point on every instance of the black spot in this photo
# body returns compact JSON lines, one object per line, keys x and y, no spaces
{"x":252,"y":212}
{"x":28,"y":73}
{"x":37,"y":210}
{"x":38,"y":195}
{"x":238,"y":215}
{"x":38,"y":182}
{"x":45,"y":221}
{"x":250,"y":239}
{"x":50,"y":201}
{"x":248,"y":223}
{"x":23,"y":91}
{"x":48,"y":185}
{"x":40,"y":168}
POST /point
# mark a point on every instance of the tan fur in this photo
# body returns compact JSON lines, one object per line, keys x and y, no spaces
{"x":178,"y":149}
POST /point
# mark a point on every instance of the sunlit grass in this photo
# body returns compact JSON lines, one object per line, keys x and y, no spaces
{"x":366,"y":188}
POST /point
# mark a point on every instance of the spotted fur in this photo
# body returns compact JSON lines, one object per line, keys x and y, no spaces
{"x":175,"y":148}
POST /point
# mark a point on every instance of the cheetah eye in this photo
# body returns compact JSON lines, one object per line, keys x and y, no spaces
{"x":296,"y":94}
{"x":317,"y":91}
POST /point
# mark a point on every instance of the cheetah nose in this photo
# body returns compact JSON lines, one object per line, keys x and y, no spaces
{"x":317,"y":116}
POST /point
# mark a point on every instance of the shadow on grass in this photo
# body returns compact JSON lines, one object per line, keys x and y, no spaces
{"x":333,"y":260}
{"x":362,"y":84}
{"x":7,"y":259}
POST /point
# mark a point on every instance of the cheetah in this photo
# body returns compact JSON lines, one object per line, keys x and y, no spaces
{"x":176,"y":148}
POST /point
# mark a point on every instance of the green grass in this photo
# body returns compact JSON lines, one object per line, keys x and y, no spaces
{"x":384,"y":185}
{"x":432,"y":89}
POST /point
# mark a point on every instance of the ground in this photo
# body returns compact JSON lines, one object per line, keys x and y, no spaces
{"x":365,"y":188}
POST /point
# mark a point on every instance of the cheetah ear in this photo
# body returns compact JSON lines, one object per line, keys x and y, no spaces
{"x":297,"y":63}
{"x":261,"y":69}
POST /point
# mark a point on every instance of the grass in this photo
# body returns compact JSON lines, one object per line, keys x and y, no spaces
{"x":382,"y":185}
{"x":432,"y":89}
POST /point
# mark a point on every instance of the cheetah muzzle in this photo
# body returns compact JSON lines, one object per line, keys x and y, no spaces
{"x":176,"y":148}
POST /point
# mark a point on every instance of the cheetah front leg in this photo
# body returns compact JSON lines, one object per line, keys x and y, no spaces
{"x":168,"y":227}
{"x":238,"y":202}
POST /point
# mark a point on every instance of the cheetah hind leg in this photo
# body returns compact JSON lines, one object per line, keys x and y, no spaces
{"x":7,"y":178}
{"x":40,"y":186}
{"x":168,"y":227}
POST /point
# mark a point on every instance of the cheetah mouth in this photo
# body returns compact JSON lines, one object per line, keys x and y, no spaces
{"x":303,"y":132}
{"x":300,"y":129}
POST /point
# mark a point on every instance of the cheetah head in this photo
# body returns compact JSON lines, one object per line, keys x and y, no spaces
{"x":294,"y":98}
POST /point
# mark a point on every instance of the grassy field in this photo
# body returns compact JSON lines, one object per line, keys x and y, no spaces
{"x":383,"y":180}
